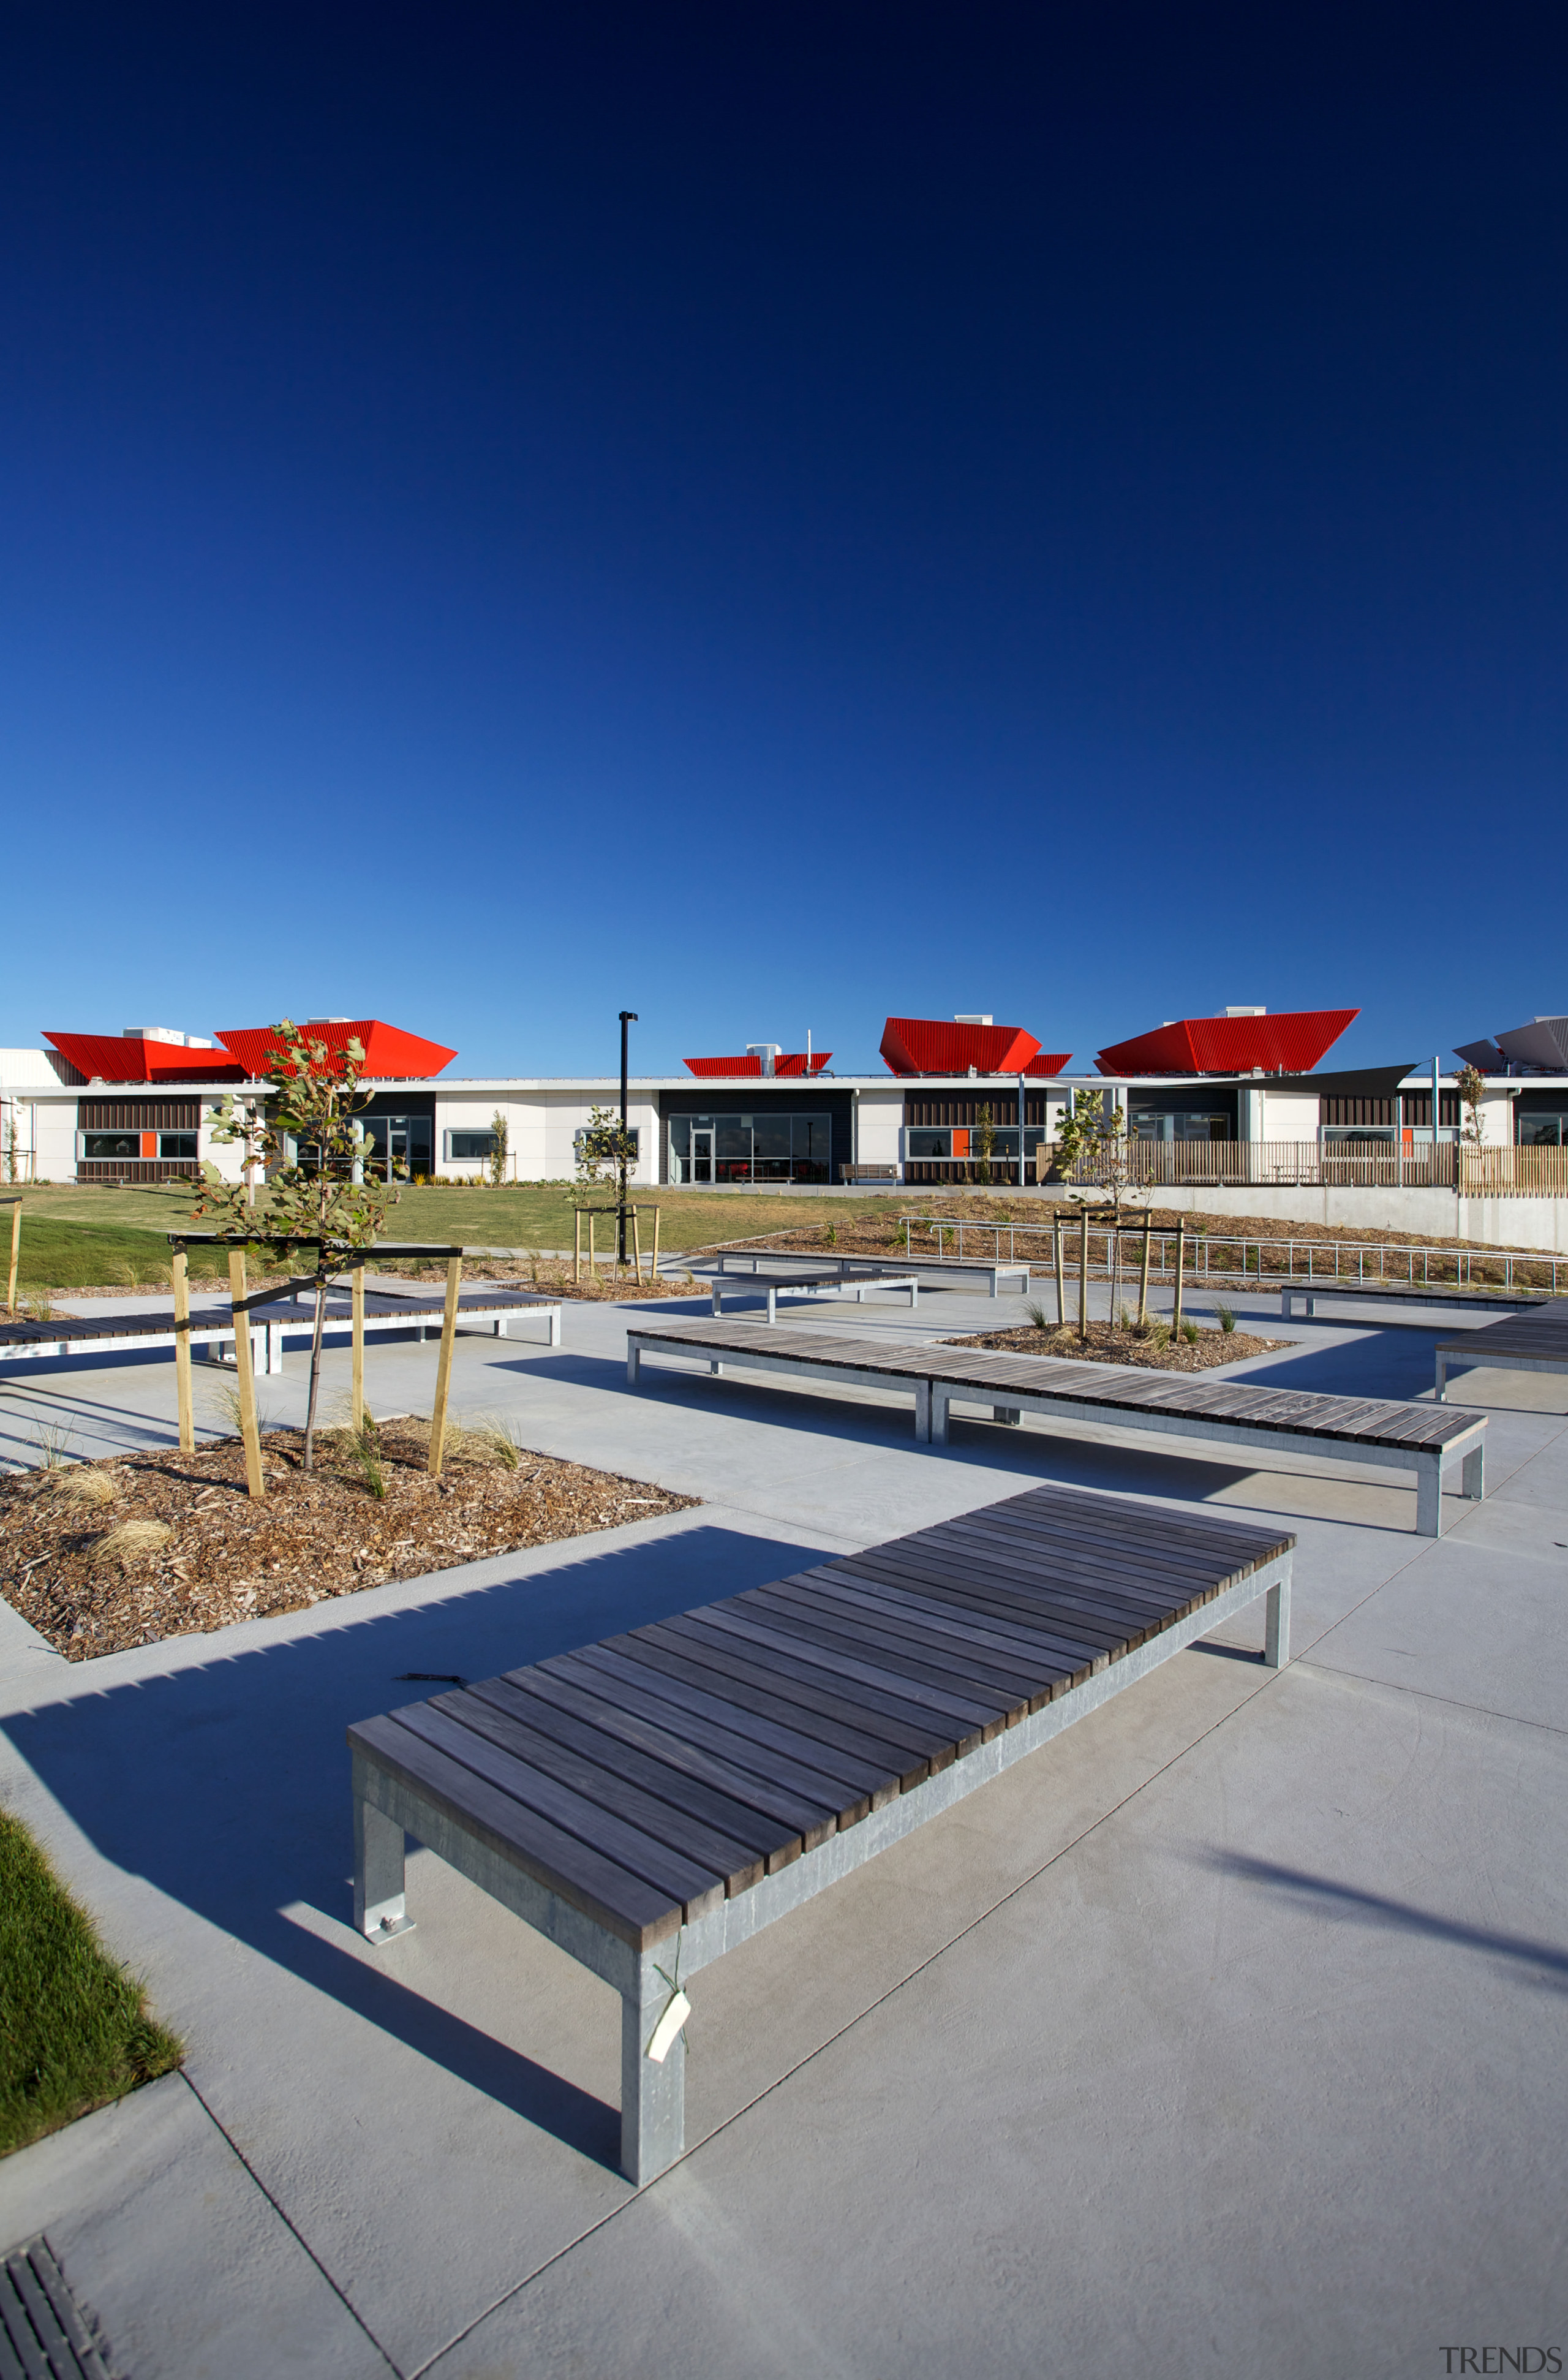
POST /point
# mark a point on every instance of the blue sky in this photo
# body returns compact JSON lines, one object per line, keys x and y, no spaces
{"x":769,"y":517}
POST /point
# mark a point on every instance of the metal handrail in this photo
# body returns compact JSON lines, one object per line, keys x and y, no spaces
{"x":1468,"y":1268}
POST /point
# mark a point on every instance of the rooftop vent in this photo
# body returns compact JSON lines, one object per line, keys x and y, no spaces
{"x":153,"y":1033}
{"x":973,"y":1020}
{"x":766,"y":1052}
{"x":1246,"y":1012}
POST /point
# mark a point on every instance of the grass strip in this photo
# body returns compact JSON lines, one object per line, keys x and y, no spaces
{"x":74,"y":2027}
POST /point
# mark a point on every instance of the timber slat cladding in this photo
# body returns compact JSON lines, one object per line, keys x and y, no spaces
{"x":1372,"y":1421}
{"x":645,"y":1779}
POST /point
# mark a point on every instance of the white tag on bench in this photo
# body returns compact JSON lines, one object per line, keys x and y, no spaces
{"x":669,"y":2025}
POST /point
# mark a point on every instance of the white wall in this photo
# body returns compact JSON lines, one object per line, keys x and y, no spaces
{"x":541,"y":1128}
{"x":1432,"y":1214}
{"x":881,"y":1126}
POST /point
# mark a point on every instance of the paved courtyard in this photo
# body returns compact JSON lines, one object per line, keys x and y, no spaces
{"x":1224,"y":2035}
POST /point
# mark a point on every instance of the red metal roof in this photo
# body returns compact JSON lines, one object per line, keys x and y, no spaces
{"x":934,"y":1045}
{"x":112,"y":1058}
{"x":1291,"y":1043}
{"x":793,"y":1061}
{"x":391,"y":1054}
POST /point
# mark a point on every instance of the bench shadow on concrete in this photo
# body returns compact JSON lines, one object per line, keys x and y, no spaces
{"x":1352,"y":1905}
{"x":227,"y":1785}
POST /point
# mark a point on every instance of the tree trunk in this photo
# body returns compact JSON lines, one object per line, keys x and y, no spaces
{"x":315,"y":1372}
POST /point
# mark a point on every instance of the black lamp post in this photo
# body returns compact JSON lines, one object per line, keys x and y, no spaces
{"x":628,"y":1016}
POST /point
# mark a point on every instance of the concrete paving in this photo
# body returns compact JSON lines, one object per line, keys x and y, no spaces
{"x":1223,"y":2035}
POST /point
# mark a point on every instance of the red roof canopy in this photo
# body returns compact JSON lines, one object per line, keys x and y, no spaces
{"x":113,"y":1058}
{"x":390,"y":1053}
{"x":793,"y":1061}
{"x":935,"y":1045}
{"x":1291,"y":1043}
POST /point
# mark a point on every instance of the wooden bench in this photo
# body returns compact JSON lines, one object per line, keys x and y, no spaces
{"x":1523,"y":1342}
{"x":651,"y":1801}
{"x":1350,"y":1429}
{"x":939,"y":1272}
{"x":821,"y":1283}
{"x":212,"y":1326}
{"x":1399,"y":1292}
{"x":868,"y":1172}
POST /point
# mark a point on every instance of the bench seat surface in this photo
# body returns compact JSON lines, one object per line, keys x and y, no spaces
{"x":646,"y":1778}
{"x":380,"y":1305}
{"x":1543,"y":1335}
{"x":1367,"y":1421}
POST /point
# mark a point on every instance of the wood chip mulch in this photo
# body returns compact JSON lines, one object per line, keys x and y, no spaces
{"x":311,"y":1537}
{"x":1106,"y":1346}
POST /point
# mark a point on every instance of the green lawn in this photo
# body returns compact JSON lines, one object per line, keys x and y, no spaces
{"x":74,"y":2027}
{"x":91,"y":1235}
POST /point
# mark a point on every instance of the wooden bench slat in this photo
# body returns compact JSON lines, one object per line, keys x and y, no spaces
{"x":614,"y":1790}
{"x":1075,"y":1640}
{"x":762,"y":1773}
{"x":696,"y":1888}
{"x":1011,"y":1656}
{"x":1066,"y":1604}
{"x":752,"y":1716}
{"x":671,"y":1780}
{"x":623,"y":1903}
{"x":876,"y":1688}
{"x":918,"y":1651}
{"x":909,"y":1740}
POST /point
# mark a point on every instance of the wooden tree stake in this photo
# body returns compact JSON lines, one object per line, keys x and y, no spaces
{"x":1060,"y":1284}
{"x":444,"y":1367}
{"x":357,"y":1380}
{"x":242,"y":1363}
{"x":1143,"y":1281}
{"x":16,"y":1205}
{"x":1180,"y":1251}
{"x":637,"y":1249}
{"x":653,"y":1273}
{"x":1083,"y":1279}
{"x":577,"y":1246}
{"x":179,"y":1273}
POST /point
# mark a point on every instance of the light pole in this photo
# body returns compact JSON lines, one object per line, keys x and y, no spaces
{"x":628,"y":1016}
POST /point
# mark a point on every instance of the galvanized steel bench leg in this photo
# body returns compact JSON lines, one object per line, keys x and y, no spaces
{"x":1473,"y":1472}
{"x":923,"y":1412}
{"x":1012,"y":1415}
{"x":554,"y":1320}
{"x":717,"y":1308}
{"x":938,"y":1414}
{"x":1429,"y":1495}
{"x":500,"y":1326}
{"x":914,"y":1295}
{"x":633,"y":1362}
{"x":379,"y":1909}
{"x":1442,"y":1377}
{"x":274,"y":1346}
{"x":652,"y":2096}
{"x":1276,"y":1625}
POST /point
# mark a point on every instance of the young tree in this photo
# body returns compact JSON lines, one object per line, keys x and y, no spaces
{"x":606,"y":1153}
{"x":498,"y":1139}
{"x":311,"y":1195}
{"x":1472,"y":1090}
{"x":1097,"y":1141}
{"x":985,"y":1142}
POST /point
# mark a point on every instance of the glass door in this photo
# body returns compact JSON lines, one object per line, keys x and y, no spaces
{"x":702,"y":1153}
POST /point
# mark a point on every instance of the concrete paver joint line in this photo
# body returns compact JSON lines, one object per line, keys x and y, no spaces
{"x":291,"y":2227}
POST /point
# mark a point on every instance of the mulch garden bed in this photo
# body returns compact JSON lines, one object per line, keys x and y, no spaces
{"x":199,"y":1554}
{"x":1153,"y":1351}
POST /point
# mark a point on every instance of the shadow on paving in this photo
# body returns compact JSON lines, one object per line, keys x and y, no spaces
{"x":1356,"y":1907}
{"x":226,"y":1786}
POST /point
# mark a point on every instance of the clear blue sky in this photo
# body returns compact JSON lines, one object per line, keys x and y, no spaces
{"x":767,"y":515}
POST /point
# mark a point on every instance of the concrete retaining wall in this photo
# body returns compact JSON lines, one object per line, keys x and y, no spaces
{"x":1432,"y":1214}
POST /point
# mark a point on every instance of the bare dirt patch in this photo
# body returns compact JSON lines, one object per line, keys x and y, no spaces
{"x":101,"y":1557}
{"x":1156,"y":1351}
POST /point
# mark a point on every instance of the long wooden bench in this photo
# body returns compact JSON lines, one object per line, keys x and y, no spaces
{"x":651,"y":1801}
{"x":1410,"y":1293}
{"x":933,"y":1272}
{"x":23,"y":1340}
{"x":1523,"y":1342}
{"x":1349,"y":1429}
{"x":817,"y":1283}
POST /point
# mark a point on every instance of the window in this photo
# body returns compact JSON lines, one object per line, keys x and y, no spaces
{"x":1359,"y":1135}
{"x":633,"y":1134}
{"x":1544,"y":1131}
{"x":102,"y":1145}
{"x":1149,"y":1124}
{"x":770,"y":1146}
{"x":177,"y":1144}
{"x":470,"y":1147}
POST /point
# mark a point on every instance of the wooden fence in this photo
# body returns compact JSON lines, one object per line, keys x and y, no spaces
{"x":1500,"y":1172}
